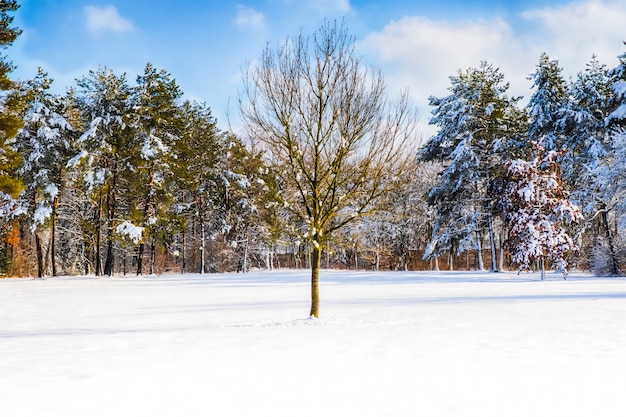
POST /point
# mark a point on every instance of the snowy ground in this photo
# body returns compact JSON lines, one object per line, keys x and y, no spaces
{"x":387,"y":344}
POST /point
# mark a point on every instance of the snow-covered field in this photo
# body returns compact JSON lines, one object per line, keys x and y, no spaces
{"x":387,"y":344}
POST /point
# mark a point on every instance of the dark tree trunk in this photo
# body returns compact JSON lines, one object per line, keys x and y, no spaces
{"x":40,"y":260}
{"x":55,"y":206}
{"x":613,"y":264}
{"x":111,"y":197}
{"x":98,"y":260}
{"x":140,"y":259}
{"x":184,"y":250}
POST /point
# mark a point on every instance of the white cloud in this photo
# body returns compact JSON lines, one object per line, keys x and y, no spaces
{"x":102,"y":19}
{"x":421,"y":53}
{"x":578,"y":30}
{"x":248,"y":17}
{"x":331,"y":6}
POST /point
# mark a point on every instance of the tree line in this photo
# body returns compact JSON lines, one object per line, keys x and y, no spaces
{"x":114,"y":177}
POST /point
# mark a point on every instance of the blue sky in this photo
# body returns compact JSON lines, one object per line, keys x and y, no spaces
{"x":417,"y":44}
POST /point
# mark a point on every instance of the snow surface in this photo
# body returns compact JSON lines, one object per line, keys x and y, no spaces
{"x":387,"y":344}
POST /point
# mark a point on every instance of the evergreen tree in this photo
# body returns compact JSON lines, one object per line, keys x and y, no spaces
{"x":479,"y":127}
{"x":546,"y":104}
{"x":157,"y":125}
{"x":44,"y":144}
{"x":196,"y":170}
{"x":587,"y":148}
{"x":11,"y":116}
{"x":108,"y":150}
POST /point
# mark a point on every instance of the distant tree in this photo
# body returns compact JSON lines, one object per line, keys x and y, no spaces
{"x":334,"y":140}
{"x":538,"y":211}
{"x":479,"y":128}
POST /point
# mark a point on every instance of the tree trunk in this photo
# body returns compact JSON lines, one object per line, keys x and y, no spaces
{"x":479,"y":252}
{"x":613,"y":264}
{"x":315,"y":273}
{"x":376,"y":258}
{"x":184,"y":250}
{"x":55,"y":206}
{"x":202,"y":246}
{"x":109,"y":264}
{"x":142,"y":247}
{"x":152,"y":256}
{"x":40,"y":260}
{"x":492,"y":239}
{"x":98,"y":260}
{"x":501,"y":259}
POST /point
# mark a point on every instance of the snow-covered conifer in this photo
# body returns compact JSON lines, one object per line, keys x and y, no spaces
{"x":478,"y":126}
{"x":546,"y":103}
{"x":107,"y":150}
{"x":156,"y":126}
{"x":45,"y":145}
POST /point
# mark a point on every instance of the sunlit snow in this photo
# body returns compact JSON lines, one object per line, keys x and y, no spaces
{"x":387,"y":344}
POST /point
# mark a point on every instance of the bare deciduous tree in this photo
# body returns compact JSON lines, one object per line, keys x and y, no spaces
{"x":335,"y":140}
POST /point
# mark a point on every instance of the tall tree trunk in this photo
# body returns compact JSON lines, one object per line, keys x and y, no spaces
{"x":108,"y":266}
{"x":202,"y":245}
{"x":479,"y":252}
{"x":184,"y":250}
{"x":152,"y":256}
{"x":98,"y":260}
{"x":492,"y":239}
{"x":40,"y":260}
{"x":613,"y":264}
{"x":501,"y":249}
{"x":316,"y":253}
{"x":55,"y":207}
{"x":140,"y":259}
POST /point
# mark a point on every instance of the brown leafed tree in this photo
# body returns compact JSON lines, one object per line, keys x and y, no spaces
{"x":334,"y":139}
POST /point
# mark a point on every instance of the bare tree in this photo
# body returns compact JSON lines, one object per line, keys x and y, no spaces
{"x":337,"y":144}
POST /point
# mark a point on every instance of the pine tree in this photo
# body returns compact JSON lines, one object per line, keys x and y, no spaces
{"x":479,"y":125}
{"x":546,"y":104}
{"x":157,"y":125}
{"x":196,"y":169}
{"x":108,"y":149}
{"x":11,"y":117}
{"x":44,"y":144}
{"x":587,"y":147}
